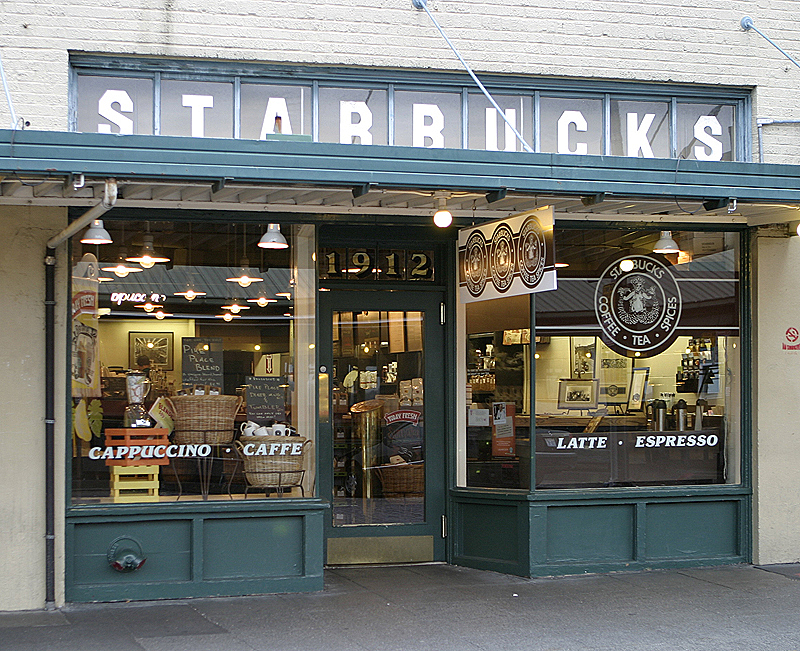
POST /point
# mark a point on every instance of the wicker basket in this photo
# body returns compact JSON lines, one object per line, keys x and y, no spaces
{"x":402,"y":479}
{"x":205,"y":419}
{"x":273,"y":471}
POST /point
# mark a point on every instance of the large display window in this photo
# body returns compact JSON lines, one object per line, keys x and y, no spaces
{"x":193,"y":352}
{"x":636,"y":377}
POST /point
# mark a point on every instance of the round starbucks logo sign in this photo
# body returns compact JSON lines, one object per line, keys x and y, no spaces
{"x":475,"y":263}
{"x":532,"y":250}
{"x":639,"y":309}
{"x":502,"y":258}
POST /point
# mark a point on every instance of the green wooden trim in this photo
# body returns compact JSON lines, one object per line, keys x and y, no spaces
{"x":287,"y":74}
{"x":165,"y":510}
{"x":57,"y":154}
{"x":103,"y":584}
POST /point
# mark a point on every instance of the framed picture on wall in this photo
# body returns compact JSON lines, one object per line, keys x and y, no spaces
{"x":638,"y":390}
{"x":577,"y":394}
{"x":156,"y":346}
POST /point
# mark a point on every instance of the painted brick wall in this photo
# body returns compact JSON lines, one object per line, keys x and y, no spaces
{"x":686,"y":41}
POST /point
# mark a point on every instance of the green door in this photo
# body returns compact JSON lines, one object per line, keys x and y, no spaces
{"x":382,"y":442}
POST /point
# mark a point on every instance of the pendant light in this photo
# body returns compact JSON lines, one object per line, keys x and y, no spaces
{"x":190,"y":293}
{"x":273,"y":238}
{"x":666,"y":244}
{"x":235,"y":307}
{"x":96,"y":234}
{"x":147,"y":258}
{"x":443,"y":217}
{"x":121,"y":269}
{"x":244,"y":278}
{"x":262,"y":301}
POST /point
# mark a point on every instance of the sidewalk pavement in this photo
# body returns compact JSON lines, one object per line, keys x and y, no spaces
{"x":446,"y":608}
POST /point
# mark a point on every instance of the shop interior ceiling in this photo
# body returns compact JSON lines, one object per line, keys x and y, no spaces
{"x":381,"y":204}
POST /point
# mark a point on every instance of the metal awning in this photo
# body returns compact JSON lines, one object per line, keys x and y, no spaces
{"x":303,"y":178}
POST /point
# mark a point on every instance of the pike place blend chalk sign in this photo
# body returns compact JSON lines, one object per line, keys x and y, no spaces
{"x":508,"y":257}
{"x":639,"y":309}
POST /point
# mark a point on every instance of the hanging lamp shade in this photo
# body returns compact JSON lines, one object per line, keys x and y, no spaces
{"x":96,"y":234}
{"x":120,"y":269}
{"x":666,"y":244}
{"x":244,"y":278}
{"x":273,"y":238}
{"x":148,"y":257}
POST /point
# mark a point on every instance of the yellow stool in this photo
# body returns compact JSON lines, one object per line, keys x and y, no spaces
{"x":134,"y":483}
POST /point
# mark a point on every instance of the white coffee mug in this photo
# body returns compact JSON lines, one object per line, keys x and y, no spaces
{"x":279,"y":429}
{"x":248,"y":428}
{"x":263,"y":431}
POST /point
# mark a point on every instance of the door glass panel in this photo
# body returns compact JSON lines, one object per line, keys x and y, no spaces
{"x":378,"y":418}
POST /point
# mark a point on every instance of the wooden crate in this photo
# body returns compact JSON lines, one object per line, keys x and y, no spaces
{"x":134,"y":484}
{"x":137,"y":436}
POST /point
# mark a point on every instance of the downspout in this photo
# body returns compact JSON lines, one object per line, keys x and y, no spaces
{"x":109,"y":199}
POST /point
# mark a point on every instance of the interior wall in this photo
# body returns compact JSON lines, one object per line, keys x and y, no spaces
{"x":776,"y":432}
{"x":24,"y":232}
{"x":114,"y":344}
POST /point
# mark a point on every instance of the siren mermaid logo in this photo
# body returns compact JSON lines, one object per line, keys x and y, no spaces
{"x":502,"y":257}
{"x":639,"y":309}
{"x":475,"y":263}
{"x":531,"y":252}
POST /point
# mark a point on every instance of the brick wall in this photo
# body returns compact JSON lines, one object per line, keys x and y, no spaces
{"x":685,"y":41}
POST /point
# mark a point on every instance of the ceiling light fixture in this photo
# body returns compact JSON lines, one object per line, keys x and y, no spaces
{"x":120,"y":269}
{"x":262,"y":301}
{"x":161,"y":315}
{"x":235,"y":307}
{"x":244,"y":278}
{"x":147,"y":258}
{"x":273,"y":238}
{"x":666,"y":244}
{"x":149,"y":307}
{"x":626,"y":265}
{"x":443,"y":217}
{"x":190,"y":293}
{"x":96,"y":234}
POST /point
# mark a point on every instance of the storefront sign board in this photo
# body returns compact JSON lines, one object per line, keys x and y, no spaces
{"x":266,"y":399}
{"x":507,"y":257}
{"x":202,"y":361}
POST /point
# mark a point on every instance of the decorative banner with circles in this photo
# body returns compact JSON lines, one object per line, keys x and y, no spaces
{"x":507,"y":257}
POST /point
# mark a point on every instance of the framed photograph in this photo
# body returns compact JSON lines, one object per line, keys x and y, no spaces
{"x":577,"y":394}
{"x":614,"y":373}
{"x":583,"y":356}
{"x":156,"y":346}
{"x":638,"y":390}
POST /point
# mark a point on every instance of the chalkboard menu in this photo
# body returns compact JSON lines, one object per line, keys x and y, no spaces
{"x":201,"y":361}
{"x":266,"y":399}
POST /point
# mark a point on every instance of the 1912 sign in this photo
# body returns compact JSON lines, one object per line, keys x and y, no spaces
{"x":363,"y":264}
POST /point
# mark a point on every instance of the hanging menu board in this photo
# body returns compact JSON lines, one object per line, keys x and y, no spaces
{"x":266,"y":399}
{"x":201,"y":362}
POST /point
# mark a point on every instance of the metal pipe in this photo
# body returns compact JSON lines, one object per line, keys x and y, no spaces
{"x":8,"y":96}
{"x":748,"y":24}
{"x":423,"y":4}
{"x":109,"y":199}
{"x":760,"y":122}
{"x":49,"y":420}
